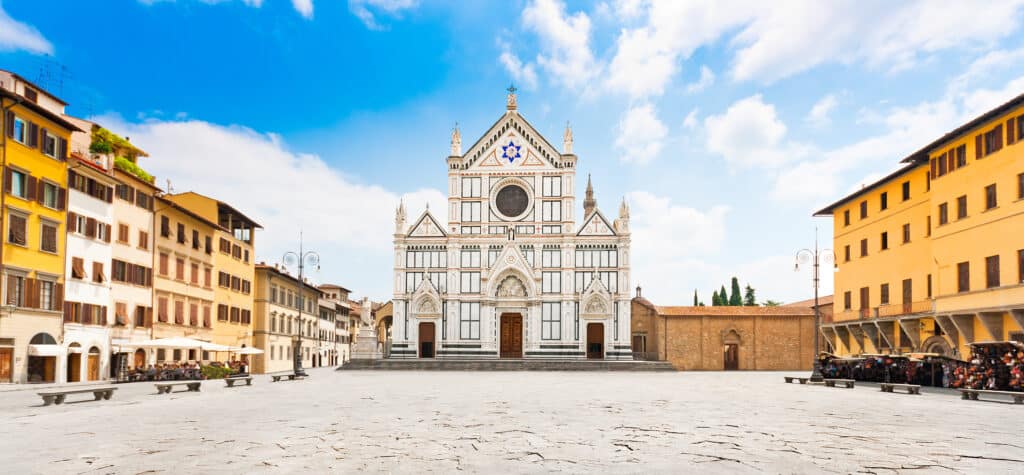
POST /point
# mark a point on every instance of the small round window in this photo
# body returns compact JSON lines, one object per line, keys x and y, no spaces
{"x":512,"y":201}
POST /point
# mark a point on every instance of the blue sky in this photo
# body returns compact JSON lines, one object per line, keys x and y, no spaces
{"x":723,"y":124}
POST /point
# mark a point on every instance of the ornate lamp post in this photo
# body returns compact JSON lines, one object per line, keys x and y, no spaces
{"x":302,"y":258}
{"x":814,"y":257}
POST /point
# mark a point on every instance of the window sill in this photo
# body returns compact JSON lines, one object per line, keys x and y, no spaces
{"x":990,"y":209}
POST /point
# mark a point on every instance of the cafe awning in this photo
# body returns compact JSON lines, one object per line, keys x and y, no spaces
{"x":43,"y":350}
{"x":247,"y":351}
{"x":173,"y":342}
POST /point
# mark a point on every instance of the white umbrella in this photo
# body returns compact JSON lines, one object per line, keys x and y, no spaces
{"x":215,"y":347}
{"x":248,"y":351}
{"x":173,"y":342}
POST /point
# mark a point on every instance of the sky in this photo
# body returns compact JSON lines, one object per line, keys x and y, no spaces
{"x":724,"y":124}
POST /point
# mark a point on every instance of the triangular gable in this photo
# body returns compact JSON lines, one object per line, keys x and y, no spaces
{"x":528,"y":137}
{"x":511,"y":260}
{"x":596,"y":225}
{"x":491,"y":160}
{"x":596,"y":298}
{"x":531,"y":160}
{"x":426,"y":226}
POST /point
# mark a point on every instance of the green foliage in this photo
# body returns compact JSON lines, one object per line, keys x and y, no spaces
{"x":105,"y":141}
{"x":771,"y":303}
{"x":215,"y":372}
{"x":695,"y":298}
{"x":102,"y":147}
{"x":749,"y":299}
{"x":126,"y":165}
{"x":723,"y":297}
{"x":735,"y":299}
{"x":715,"y":299}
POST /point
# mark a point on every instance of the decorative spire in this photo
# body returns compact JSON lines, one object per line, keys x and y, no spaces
{"x":510,"y":101}
{"x":456,"y":141}
{"x":589,"y":203}
{"x":622,"y":224}
{"x":567,"y":139}
{"x":400,"y":218}
{"x":624,"y":209}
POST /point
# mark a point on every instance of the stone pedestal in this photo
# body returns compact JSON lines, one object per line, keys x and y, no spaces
{"x":366,"y":347}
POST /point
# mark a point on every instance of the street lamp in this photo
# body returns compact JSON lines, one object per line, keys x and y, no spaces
{"x":805,"y":257}
{"x":302,"y":258}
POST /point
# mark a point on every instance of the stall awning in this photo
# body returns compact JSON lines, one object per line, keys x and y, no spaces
{"x":43,"y":350}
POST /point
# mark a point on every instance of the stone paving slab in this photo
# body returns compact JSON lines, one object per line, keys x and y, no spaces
{"x":501,"y":422}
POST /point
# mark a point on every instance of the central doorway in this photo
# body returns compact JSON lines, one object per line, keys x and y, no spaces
{"x":595,"y":341}
{"x":732,"y":357}
{"x":426,"y":339}
{"x":511,"y":335}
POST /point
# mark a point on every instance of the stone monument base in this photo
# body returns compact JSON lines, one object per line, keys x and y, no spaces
{"x":367,"y":347}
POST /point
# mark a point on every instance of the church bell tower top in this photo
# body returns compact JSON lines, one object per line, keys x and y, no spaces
{"x":510,"y":100}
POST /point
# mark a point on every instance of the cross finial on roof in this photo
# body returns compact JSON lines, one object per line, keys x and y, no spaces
{"x":511,"y":100}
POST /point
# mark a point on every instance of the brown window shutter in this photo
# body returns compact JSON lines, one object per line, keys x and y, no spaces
{"x":979,"y":146}
{"x":58,"y":296}
{"x":72,"y":222}
{"x":71,"y":178}
{"x":62,"y":149}
{"x":67,"y":312}
{"x":62,"y":198}
{"x":40,"y":190}
{"x":27,"y":288}
{"x":86,"y":313}
{"x":106,"y":236}
{"x":1011,"y":131}
{"x":149,"y":317}
{"x":110,"y":195}
{"x":90,"y":227}
{"x":8,"y":176}
{"x":12,"y":288}
{"x":32,"y":135}
{"x":9,"y":123}
{"x":999,"y":137}
{"x":31,"y":186}
{"x":103,"y":315}
{"x":41,"y":137}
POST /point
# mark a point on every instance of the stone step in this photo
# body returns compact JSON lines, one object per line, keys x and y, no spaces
{"x":505,"y":365}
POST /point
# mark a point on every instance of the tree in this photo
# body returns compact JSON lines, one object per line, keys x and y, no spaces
{"x":749,"y":299}
{"x":695,"y":298}
{"x":723,"y":297}
{"x":715,"y":301}
{"x":735,"y":299}
{"x":771,"y":303}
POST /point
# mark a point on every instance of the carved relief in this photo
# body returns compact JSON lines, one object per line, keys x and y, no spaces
{"x":511,"y":286}
{"x":427,"y":306}
{"x":596,"y":305}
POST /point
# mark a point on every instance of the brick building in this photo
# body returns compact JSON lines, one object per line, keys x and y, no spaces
{"x":730,"y":338}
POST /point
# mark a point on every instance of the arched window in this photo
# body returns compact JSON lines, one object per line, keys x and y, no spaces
{"x":42,"y":339}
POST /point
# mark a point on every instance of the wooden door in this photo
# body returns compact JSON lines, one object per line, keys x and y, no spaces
{"x":595,"y":341}
{"x":74,"y":367}
{"x":907,"y":295}
{"x":140,"y":359}
{"x":426,"y":339}
{"x":6,"y":364}
{"x":94,"y":367}
{"x":511,"y":335}
{"x":732,"y":357}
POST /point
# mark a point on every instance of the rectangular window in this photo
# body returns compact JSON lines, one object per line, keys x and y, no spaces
{"x":1020,"y":186}
{"x":961,"y":156}
{"x":884,"y":200}
{"x":943,"y":164}
{"x":77,"y":268}
{"x":961,"y":207}
{"x":97,"y":273}
{"x":885,"y":241}
{"x":863,"y":247}
{"x":846,"y":218}
{"x":163,"y":264}
{"x":222,"y":313}
{"x":846,"y":252}
{"x":865,"y":298}
{"x":471,"y":230}
{"x":470,"y":258}
{"x":179,"y":312}
{"x":48,"y":238}
{"x":963,"y":277}
{"x":551,"y":258}
{"x":195,"y":274}
{"x":122,"y":233}
{"x":18,"y":183}
{"x":943,"y":213}
{"x":551,"y":229}
{"x":551,"y":321}
{"x":471,"y":211}
{"x":50,"y":195}
{"x":929,"y":289}
{"x":49,"y":145}
{"x":551,"y":186}
{"x":471,"y":187}
{"x":469,"y":321}
{"x":470,"y":283}
{"x":143,"y":240}
{"x":195,"y":239}
{"x":906,"y":233}
{"x":928,"y":224}
{"x":847,"y":300}
{"x":181,"y":233}
{"x":165,"y":226}
{"x":179,"y":269}
{"x":990,"y":197}
{"x":991,"y":272}
{"x":993,"y":140}
{"x":884,"y":297}
{"x":906,"y":190}
{"x":551,"y":282}
{"x":863,"y":209}
{"x":1020,"y":266}
{"x":551,"y":211}
{"x":20,"y":130}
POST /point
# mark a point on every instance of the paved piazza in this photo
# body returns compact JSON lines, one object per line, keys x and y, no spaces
{"x":524,"y":422}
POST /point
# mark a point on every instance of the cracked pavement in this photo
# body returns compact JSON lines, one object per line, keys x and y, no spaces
{"x":518,"y":422}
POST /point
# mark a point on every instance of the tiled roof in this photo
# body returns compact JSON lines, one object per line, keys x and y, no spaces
{"x":729,"y":311}
{"x":809,"y":303}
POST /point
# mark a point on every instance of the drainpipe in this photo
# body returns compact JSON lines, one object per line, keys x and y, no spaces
{"x":3,"y":159}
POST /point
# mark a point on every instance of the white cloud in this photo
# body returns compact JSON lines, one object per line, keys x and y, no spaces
{"x":691,"y":121}
{"x":675,"y":241}
{"x":564,"y":42}
{"x":525,"y":74}
{"x":367,"y":10}
{"x":641,"y":134}
{"x":304,"y":7}
{"x":750,"y":134}
{"x":984,"y":66}
{"x":819,"y":114}
{"x":345,"y":220}
{"x":17,"y":36}
{"x":707,"y":78}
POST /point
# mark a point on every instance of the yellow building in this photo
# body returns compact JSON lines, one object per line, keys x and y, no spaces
{"x":281,"y":316}
{"x":182,"y":277}
{"x":931,"y":257}
{"x":233,"y":238}
{"x":34,"y":151}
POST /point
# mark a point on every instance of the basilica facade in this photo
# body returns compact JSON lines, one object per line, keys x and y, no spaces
{"x":513,"y":273}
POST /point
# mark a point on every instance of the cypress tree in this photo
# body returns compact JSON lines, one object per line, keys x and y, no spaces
{"x":715,"y":301}
{"x":723,"y":297}
{"x":749,"y":299}
{"x":735,"y":298}
{"x":694,"y":297}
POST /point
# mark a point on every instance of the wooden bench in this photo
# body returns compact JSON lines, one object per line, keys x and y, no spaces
{"x":57,"y":396}
{"x":972,"y":394}
{"x":790,"y":379}
{"x":234,"y":379}
{"x":165,"y":387}
{"x":911,"y":388}
{"x":832,"y":382}
{"x":291,"y":375}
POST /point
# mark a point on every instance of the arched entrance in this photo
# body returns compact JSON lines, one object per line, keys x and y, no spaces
{"x":937,"y":344}
{"x":93,"y":364}
{"x":139,"y":359}
{"x":731,"y":351}
{"x":42,"y":358}
{"x":74,"y":365}
{"x":595,"y":341}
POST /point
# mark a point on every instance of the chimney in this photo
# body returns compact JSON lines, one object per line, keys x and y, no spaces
{"x":638,"y":292}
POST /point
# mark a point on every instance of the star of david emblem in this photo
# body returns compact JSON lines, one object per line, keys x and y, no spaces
{"x":510,"y":151}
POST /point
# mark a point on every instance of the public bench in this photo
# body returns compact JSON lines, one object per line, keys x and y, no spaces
{"x":832,"y":382}
{"x":166,"y":386}
{"x":291,"y":375}
{"x":57,"y":396}
{"x":234,"y":379}
{"x":911,"y":388}
{"x":790,"y":379}
{"x":972,"y":394}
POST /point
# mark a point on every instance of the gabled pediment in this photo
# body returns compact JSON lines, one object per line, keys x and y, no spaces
{"x":426,"y":226}
{"x":596,"y":299}
{"x":426,"y":300}
{"x":511,"y":262}
{"x":596,"y":225}
{"x":512,"y":142}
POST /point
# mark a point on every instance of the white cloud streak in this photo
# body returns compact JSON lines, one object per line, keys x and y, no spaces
{"x":641,"y":134}
{"x":18,"y":36}
{"x":368,"y":10}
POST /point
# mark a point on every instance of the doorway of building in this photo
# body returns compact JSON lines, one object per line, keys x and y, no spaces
{"x":93,"y":364}
{"x":426,"y":339}
{"x":6,"y":364}
{"x":732,"y":357}
{"x":511,"y":335}
{"x":595,"y":341}
{"x":140,"y":359}
{"x":74,"y":363}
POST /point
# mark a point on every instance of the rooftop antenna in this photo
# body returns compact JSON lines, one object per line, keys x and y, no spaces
{"x":52,"y":75}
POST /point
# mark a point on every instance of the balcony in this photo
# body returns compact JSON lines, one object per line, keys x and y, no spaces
{"x":899,"y":309}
